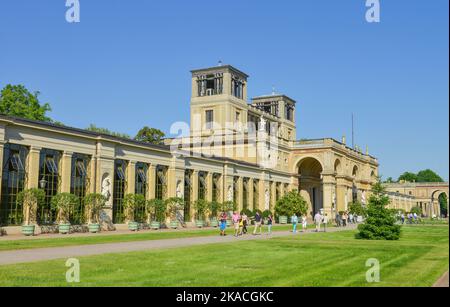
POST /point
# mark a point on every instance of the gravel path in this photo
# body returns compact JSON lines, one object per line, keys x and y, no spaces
{"x":442,"y":282}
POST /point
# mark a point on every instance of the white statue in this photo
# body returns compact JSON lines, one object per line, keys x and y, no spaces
{"x":106,"y":188}
{"x":363,"y":197}
{"x":179,"y":191}
{"x":262,"y":124}
{"x":267,"y":200}
{"x":230,"y":193}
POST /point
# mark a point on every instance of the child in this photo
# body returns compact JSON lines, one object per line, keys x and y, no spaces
{"x":241,"y":226}
{"x":269,"y":224}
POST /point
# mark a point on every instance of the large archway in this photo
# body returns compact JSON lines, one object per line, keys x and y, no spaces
{"x":439,"y":201}
{"x":310,"y":183}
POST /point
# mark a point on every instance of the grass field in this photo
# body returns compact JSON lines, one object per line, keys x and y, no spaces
{"x":34,"y":243}
{"x":324,"y":259}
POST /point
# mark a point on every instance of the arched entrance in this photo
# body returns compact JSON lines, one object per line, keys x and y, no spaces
{"x":439,"y":201}
{"x":310,"y":183}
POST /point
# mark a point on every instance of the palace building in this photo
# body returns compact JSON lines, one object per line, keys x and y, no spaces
{"x":237,"y":150}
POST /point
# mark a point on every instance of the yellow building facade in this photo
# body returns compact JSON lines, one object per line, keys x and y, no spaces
{"x":236,"y":150}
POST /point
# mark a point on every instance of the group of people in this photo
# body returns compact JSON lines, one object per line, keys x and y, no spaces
{"x":345,"y":218}
{"x":241,"y":222}
{"x":413,"y":218}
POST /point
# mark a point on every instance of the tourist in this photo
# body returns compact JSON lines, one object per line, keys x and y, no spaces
{"x":241,"y":226}
{"x":269,"y":224}
{"x":350,"y":218}
{"x":402,"y":217}
{"x":318,"y":221}
{"x":236,"y":218}
{"x":258,"y":220}
{"x":415,"y":218}
{"x":304,"y":223}
{"x":344,"y":219}
{"x":223,"y":223}
{"x":410,"y":216}
{"x":245,"y":223}
{"x":294,"y":221}
{"x":325,"y":222}
{"x":338,"y":220}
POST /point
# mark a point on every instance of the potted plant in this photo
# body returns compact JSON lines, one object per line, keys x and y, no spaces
{"x":201,"y":208}
{"x":214,"y":208}
{"x":174,"y":205}
{"x":93,"y":205}
{"x":64,"y":203}
{"x":289,"y":204}
{"x":130,"y":203}
{"x":30,"y":199}
{"x":156,"y":209}
{"x":229,"y":207}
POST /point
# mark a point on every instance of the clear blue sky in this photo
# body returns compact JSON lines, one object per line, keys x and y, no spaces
{"x":127,"y":63}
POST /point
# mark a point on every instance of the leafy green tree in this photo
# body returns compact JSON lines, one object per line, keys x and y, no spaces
{"x":380,"y":222}
{"x":428,"y":176}
{"x":94,"y":128}
{"x":157,"y":209}
{"x":291,"y":203}
{"x":16,"y":100}
{"x":201,"y":209}
{"x":357,"y":208}
{"x":408,"y":176}
{"x":64,"y":204}
{"x":389,"y":180}
{"x":416,"y":210}
{"x":150,"y":135}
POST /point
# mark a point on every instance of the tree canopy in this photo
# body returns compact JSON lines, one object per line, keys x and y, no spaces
{"x":16,"y":100}
{"x":422,"y":176}
{"x":150,"y":135}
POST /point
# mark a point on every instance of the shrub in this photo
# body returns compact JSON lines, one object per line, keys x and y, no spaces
{"x":247,"y":212}
{"x":357,"y":208}
{"x":266,"y":214}
{"x":93,"y":205}
{"x":174,"y":204}
{"x":31,"y":200}
{"x":134,"y":207}
{"x":291,"y":203}
{"x":214,"y":208}
{"x":156,"y":209}
{"x":229,"y":206}
{"x":201,"y":208}
{"x":416,"y":210}
{"x":64,"y":203}
{"x":380,"y":221}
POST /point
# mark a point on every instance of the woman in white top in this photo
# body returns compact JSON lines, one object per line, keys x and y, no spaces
{"x":304,"y":223}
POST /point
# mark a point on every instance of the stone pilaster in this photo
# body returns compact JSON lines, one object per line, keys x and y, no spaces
{"x":66,"y":171}
{"x":131,"y":177}
{"x":33,"y":167}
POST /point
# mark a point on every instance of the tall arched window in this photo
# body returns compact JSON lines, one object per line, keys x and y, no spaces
{"x":187,"y":195}
{"x":13,"y":182}
{"x":79,"y":184}
{"x":202,"y":186}
{"x":161,"y":182}
{"x":49,"y":181}
{"x":120,"y":185}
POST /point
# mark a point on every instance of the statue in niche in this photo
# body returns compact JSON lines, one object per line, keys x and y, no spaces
{"x":179,"y":191}
{"x":230,"y":193}
{"x":262,"y":124}
{"x":106,"y":188}
{"x":267,"y":199}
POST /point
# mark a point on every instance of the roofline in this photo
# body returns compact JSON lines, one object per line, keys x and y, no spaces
{"x":274,"y":96}
{"x":220,"y":67}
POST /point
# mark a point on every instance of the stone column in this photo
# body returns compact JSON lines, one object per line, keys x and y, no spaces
{"x":250,"y":194}
{"x":33,"y":167}
{"x":328,"y":189}
{"x":273,"y":195}
{"x":240,"y":187}
{"x":194,"y":197}
{"x":209,"y":186}
{"x":66,"y":171}
{"x":151,"y":175}
{"x":131,"y":177}
{"x":262,"y":192}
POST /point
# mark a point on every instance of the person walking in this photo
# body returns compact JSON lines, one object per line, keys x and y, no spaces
{"x":223,"y":223}
{"x":269,"y":224}
{"x":318,"y":221}
{"x":258,"y":219}
{"x":244,"y":223}
{"x":294,"y":221}
{"x":236,"y":218}
{"x":325,"y":222}
{"x":350,"y":218}
{"x":344,"y":219}
{"x":304,"y":223}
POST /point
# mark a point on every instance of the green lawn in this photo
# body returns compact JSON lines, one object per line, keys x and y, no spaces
{"x":324,"y":259}
{"x":96,"y":239}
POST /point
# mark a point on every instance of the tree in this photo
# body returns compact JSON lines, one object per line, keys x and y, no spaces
{"x":16,"y":100}
{"x":416,"y":210}
{"x":357,"y":208}
{"x":389,"y":180}
{"x":428,"y":176}
{"x":150,"y":135}
{"x":291,"y":203}
{"x":408,"y":177}
{"x":94,"y":128}
{"x":380,"y":222}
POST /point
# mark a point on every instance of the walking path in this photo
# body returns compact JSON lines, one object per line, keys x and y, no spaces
{"x":443,"y":282}
{"x":42,"y":254}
